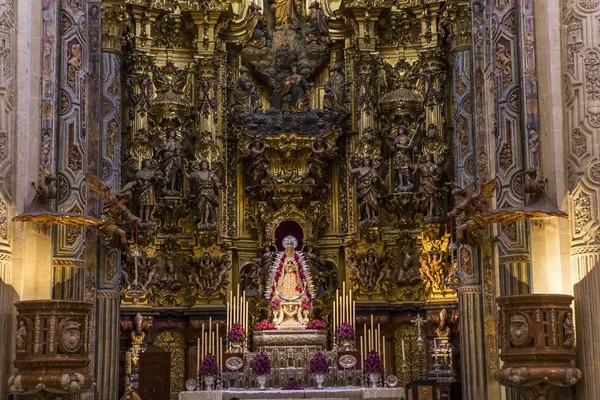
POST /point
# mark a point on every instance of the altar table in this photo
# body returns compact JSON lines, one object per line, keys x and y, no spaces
{"x":334,"y":393}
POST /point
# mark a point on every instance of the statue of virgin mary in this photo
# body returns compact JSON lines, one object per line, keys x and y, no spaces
{"x":291,"y":290}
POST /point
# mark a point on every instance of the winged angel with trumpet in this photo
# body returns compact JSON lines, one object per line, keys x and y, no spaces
{"x":115,"y":213}
{"x":469,"y":211}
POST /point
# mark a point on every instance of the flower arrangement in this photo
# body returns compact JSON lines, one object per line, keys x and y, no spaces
{"x":264,"y":325}
{"x":317,"y":324}
{"x":275,"y":305}
{"x":262,"y":364}
{"x":292,"y":384}
{"x":373,"y":363}
{"x":236,"y":333}
{"x":318,"y":364}
{"x":306,"y":304}
{"x":345,"y":332}
{"x":209,"y":366}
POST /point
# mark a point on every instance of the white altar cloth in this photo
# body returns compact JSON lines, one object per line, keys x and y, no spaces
{"x":333,"y":393}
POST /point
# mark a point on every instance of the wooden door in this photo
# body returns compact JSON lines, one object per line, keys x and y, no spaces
{"x":155,"y":375}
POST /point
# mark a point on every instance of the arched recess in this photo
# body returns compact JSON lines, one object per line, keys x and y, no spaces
{"x":414,"y":355}
{"x":173,"y":341}
{"x":312,"y":220}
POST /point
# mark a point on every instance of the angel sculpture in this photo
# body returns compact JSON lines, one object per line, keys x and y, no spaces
{"x":317,"y":163}
{"x":257,"y":163}
{"x":468,"y":212}
{"x":205,"y":186}
{"x":370,"y":190}
{"x":115,"y":213}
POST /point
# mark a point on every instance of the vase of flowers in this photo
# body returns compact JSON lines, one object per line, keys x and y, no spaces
{"x":236,"y":337}
{"x":209,"y":370}
{"x":373,"y":368}
{"x":262,"y":368}
{"x":317,"y":324}
{"x":346,"y":337}
{"x":264,"y":325}
{"x":319,"y":367}
{"x":292,"y":384}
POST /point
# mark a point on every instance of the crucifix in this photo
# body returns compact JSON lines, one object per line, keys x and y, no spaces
{"x":418,"y":321}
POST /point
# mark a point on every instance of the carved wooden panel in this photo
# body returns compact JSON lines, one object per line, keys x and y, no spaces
{"x":155,"y":372}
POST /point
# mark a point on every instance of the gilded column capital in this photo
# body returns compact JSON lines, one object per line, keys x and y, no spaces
{"x":115,"y":22}
{"x":456,"y":20}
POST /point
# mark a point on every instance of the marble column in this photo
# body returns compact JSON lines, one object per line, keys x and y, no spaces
{"x":114,"y":21}
{"x":470,"y":294}
{"x":581,"y":64}
{"x":70,"y":160}
{"x":511,"y":148}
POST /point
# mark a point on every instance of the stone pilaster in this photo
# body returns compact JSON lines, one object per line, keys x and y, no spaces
{"x":71,"y":151}
{"x":581,"y":64}
{"x":510,"y":145}
{"x":114,"y":22}
{"x":472,"y":345}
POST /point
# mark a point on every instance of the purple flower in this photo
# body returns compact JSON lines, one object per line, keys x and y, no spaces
{"x":317,"y":324}
{"x":276,"y":305}
{"x":209,"y":366}
{"x":264,"y":325}
{"x":292,"y":384}
{"x":372,"y":363}
{"x":318,"y":364}
{"x":262,"y":364}
{"x":236,"y":333}
{"x":345,"y":332}
{"x":306,"y":304}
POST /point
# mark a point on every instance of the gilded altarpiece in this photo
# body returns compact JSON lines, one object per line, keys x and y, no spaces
{"x":243,"y":123}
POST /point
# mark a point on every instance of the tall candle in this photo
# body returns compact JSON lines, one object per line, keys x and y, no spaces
{"x":202,"y":336}
{"x":372,"y":331}
{"x":333,"y":316}
{"x":128,"y":362}
{"x":227,"y":317}
{"x":247,"y":319}
{"x":403,"y":354}
{"x":353,"y":312}
{"x":383,"y":345}
{"x":362,"y":350}
{"x":347,"y":310}
{"x":366,"y":339}
{"x":370,"y":341}
{"x":217,"y":341}
{"x":198,"y":357}
{"x":206,"y":340}
{"x":378,"y":337}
